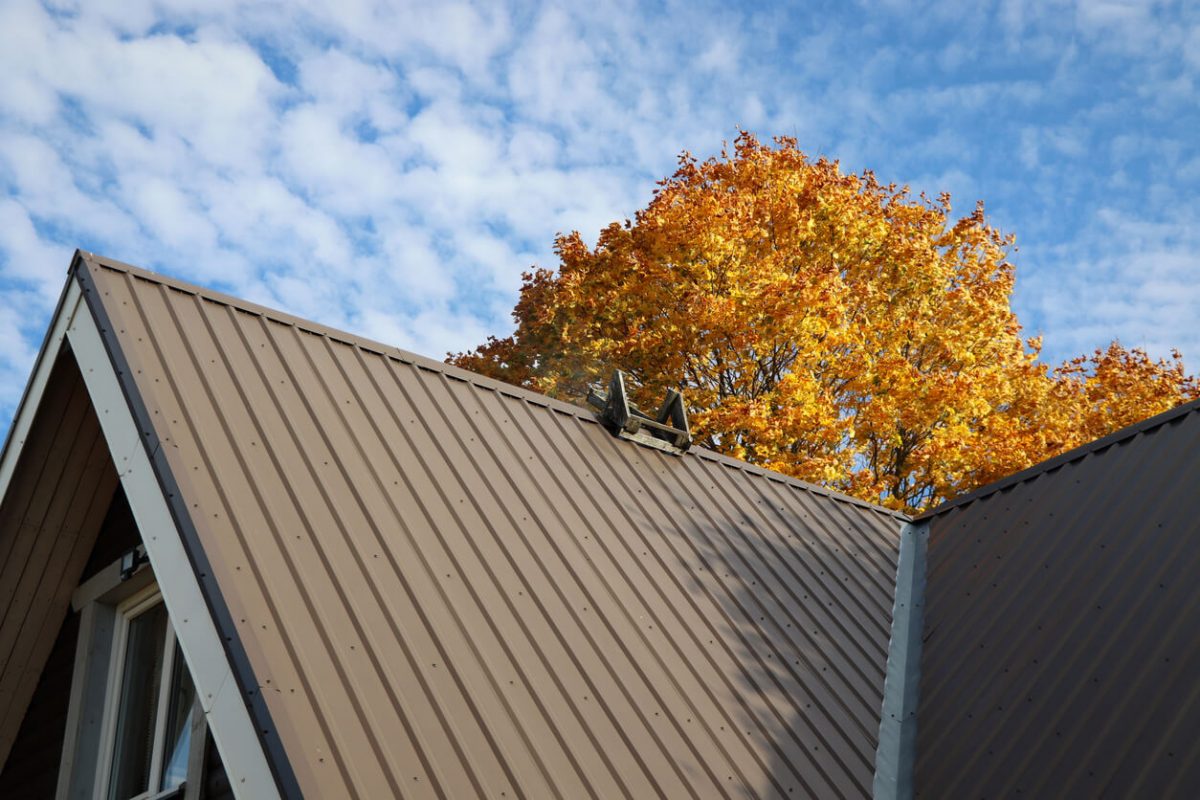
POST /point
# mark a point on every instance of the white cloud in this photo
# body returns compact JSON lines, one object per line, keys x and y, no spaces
{"x":347,"y":175}
{"x":1139,"y":282}
{"x":26,"y":255}
{"x":394,"y":167}
{"x":722,"y":55}
{"x":168,"y":214}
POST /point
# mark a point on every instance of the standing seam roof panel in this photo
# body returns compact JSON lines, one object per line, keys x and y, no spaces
{"x":446,"y":587}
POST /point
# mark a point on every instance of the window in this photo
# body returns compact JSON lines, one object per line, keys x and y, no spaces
{"x":149,"y":704}
{"x":135,"y":730}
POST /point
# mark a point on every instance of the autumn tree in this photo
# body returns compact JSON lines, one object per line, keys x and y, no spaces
{"x":820,"y":323}
{"x":1117,"y":387}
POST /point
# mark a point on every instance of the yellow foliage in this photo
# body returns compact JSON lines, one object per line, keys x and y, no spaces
{"x":821,"y":324}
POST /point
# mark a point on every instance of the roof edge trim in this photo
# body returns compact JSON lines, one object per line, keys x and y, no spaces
{"x":94,"y":332}
{"x":453,"y":373}
{"x":895,"y":756}
{"x":1103,"y":442}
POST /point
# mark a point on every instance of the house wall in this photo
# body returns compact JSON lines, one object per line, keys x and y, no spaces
{"x":32,"y":767}
{"x":51,"y":513}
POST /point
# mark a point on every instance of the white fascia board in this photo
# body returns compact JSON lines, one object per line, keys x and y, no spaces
{"x":19,"y":432}
{"x":228,"y":717}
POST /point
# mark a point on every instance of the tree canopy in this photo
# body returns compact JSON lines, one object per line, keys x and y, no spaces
{"x":822,"y":324}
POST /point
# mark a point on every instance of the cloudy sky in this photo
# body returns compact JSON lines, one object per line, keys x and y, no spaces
{"x":392,"y":168}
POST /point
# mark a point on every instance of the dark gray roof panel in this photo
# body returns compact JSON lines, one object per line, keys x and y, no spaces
{"x":1063,"y":629}
{"x":1099,"y":445}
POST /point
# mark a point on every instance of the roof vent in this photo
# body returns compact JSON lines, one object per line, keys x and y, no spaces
{"x":668,"y":431}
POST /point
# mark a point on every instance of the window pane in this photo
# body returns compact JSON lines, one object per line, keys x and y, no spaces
{"x":178,"y":733}
{"x":140,"y":679}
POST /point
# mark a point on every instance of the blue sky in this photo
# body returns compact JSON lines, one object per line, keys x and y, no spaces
{"x":392,"y":168}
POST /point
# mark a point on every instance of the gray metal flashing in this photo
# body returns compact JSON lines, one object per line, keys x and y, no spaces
{"x":896,"y":754}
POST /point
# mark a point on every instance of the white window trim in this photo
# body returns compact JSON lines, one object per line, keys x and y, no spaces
{"x":105,"y":603}
{"x":136,"y":605}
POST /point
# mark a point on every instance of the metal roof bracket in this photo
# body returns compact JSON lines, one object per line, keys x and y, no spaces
{"x":668,"y":431}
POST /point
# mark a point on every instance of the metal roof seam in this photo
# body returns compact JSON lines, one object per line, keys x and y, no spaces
{"x":1121,"y":584}
{"x":603,"y":452}
{"x":188,"y":343}
{"x":379,"y":599}
{"x":423,"y":558}
{"x":243,"y":671}
{"x":576,"y":574}
{"x":765,"y":567}
{"x":178,"y":394}
{"x":317,"y":373}
{"x":1003,"y":625}
{"x":496,"y":498}
{"x":666,"y":628}
{"x":1059,"y":610}
{"x":828,"y":699}
{"x":795,"y":566}
{"x":501,"y":543}
{"x":798,"y":565}
{"x":399,"y":516}
{"x":540,"y":456}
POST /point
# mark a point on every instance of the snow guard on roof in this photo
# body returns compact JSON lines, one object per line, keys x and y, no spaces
{"x":627,"y":421}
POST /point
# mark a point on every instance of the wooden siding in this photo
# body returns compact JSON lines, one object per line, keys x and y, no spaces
{"x":31,"y":771}
{"x":49,"y":519}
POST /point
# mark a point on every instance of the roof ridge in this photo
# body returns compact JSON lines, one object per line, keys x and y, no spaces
{"x":452,"y":371}
{"x":1084,"y":450}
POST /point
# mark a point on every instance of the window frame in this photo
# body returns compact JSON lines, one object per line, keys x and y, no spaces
{"x":126,"y":612}
{"x":108,"y":602}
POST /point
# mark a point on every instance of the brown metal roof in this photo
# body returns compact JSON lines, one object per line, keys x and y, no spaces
{"x":1062,"y":626}
{"x":447,"y":586}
